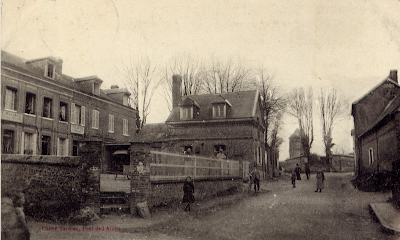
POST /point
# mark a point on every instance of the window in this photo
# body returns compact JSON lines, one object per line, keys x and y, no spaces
{"x":50,"y":70}
{"x":186,"y":113}
{"x":219,"y":148}
{"x":219,"y":111}
{"x":188,"y":150}
{"x":62,"y":149}
{"x":78,"y":114}
{"x":110,"y":123}
{"x":63,"y":111}
{"x":125,"y":100}
{"x":8,"y":142}
{"x":46,"y":145}
{"x":11,"y":99}
{"x":371,"y":156}
{"x":95,"y":119}
{"x":30,"y":103}
{"x":96,"y":89}
{"x":74,"y":148}
{"x":29,"y":143}
{"x":125,"y":131}
{"x":47,"y":107}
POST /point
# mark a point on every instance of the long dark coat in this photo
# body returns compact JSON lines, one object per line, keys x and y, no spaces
{"x":320,"y":179}
{"x":188,"y":190}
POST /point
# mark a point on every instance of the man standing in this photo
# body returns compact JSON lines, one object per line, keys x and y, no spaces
{"x":255,"y":175}
{"x":308,"y":171}
{"x":297,"y":170}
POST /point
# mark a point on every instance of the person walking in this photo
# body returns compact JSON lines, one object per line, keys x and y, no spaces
{"x":188,"y":191}
{"x":293,"y":178}
{"x":308,"y":171}
{"x":255,"y":176}
{"x":320,"y":180}
{"x":297,"y":170}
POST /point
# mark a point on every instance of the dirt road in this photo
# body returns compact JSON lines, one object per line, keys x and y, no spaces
{"x":278,"y":212}
{"x":338,"y":212}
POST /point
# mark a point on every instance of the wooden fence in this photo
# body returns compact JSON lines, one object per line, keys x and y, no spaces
{"x":169,"y":166}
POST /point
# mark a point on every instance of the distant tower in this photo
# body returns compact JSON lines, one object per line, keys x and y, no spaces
{"x":295,"y":147}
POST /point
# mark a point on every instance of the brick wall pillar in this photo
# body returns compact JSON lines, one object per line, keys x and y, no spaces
{"x":140,"y":174}
{"x":92,"y":154}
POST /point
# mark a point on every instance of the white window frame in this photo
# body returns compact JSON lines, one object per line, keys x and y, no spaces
{"x":219,"y":111}
{"x":33,"y":143}
{"x":11,"y":104}
{"x":75,"y":117}
{"x":110,"y":123}
{"x":95,"y":119}
{"x":186,"y":112}
{"x":371,"y":156}
{"x":64,"y":148}
{"x":96,"y":88}
{"x":125,"y":129}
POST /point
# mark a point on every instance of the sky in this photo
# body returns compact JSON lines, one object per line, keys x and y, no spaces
{"x":350,"y":45}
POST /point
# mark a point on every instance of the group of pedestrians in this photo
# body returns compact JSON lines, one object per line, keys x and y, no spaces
{"x":296,"y":176}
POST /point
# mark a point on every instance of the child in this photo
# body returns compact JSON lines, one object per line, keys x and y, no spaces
{"x":294,"y":177}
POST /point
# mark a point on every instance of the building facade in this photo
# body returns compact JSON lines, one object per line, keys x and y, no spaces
{"x":377,"y":127}
{"x":223,"y":125}
{"x":45,"y":112}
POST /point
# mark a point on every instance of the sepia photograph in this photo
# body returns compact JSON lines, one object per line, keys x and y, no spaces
{"x":225,"y":120}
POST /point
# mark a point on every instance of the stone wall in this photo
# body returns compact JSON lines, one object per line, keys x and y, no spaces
{"x":53,"y":186}
{"x":172,"y":192}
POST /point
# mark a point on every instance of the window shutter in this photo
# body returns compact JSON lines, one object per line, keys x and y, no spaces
{"x":83,"y":115}
{"x":73,"y":113}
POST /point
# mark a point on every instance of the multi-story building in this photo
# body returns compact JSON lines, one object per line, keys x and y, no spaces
{"x":222,"y":125}
{"x":45,"y":112}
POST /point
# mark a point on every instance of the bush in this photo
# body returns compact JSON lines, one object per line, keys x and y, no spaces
{"x":374,"y":182}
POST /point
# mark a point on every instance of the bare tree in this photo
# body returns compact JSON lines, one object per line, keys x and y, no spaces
{"x":301,"y":107}
{"x":141,"y":79}
{"x":271,"y":102}
{"x":225,"y":76}
{"x":190,"y":69}
{"x":331,"y":107}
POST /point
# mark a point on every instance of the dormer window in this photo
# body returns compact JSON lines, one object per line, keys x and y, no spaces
{"x":49,"y":70}
{"x":96,"y":88}
{"x":188,"y":109}
{"x":220,"y":109}
{"x":186,"y":112}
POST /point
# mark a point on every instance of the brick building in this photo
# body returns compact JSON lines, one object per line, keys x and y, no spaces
{"x":222,"y":125}
{"x":45,"y":112}
{"x":377,"y":126}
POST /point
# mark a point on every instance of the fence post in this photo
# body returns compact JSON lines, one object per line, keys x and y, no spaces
{"x":140,"y":159}
{"x":195,"y":168}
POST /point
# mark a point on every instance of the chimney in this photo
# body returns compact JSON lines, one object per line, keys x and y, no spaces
{"x":176,"y":90}
{"x":393,"y":75}
{"x":114,"y":86}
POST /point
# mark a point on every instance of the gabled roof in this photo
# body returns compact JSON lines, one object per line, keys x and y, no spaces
{"x":392,"y":107}
{"x":189,"y":102}
{"x":388,"y":80}
{"x":243,"y":105}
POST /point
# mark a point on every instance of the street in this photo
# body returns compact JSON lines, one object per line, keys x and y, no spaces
{"x":277,"y":212}
{"x":338,"y":212}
